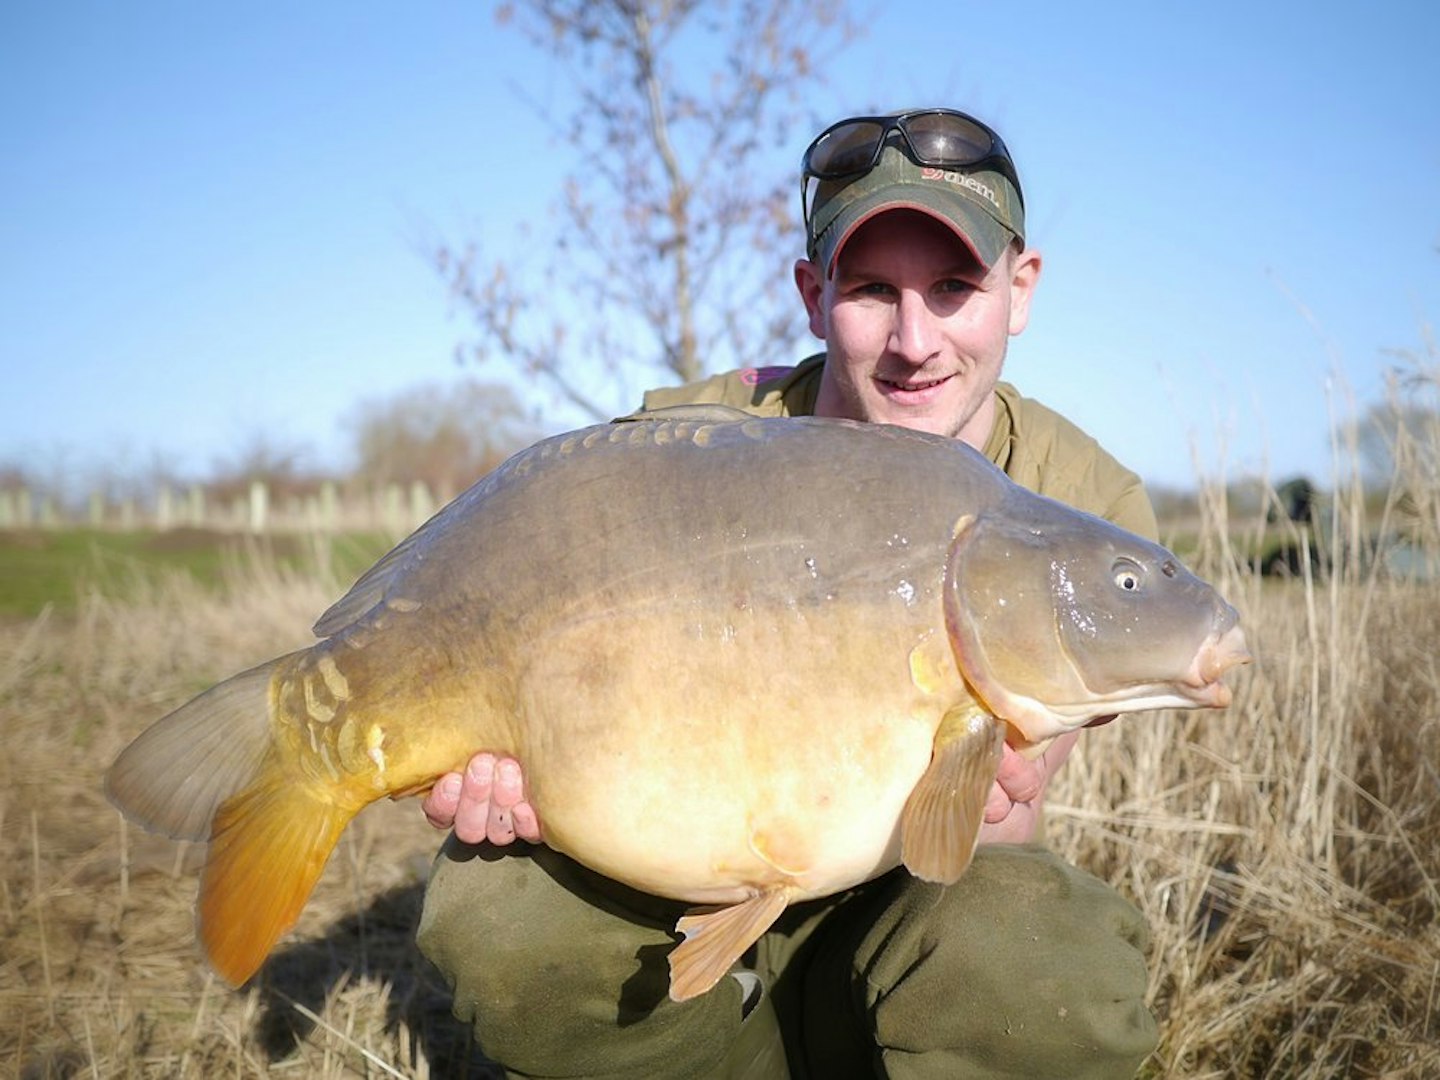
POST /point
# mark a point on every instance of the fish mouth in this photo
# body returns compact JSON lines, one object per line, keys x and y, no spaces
{"x":1222,"y":651}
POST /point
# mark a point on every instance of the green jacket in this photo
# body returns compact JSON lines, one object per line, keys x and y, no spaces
{"x":1035,"y":446}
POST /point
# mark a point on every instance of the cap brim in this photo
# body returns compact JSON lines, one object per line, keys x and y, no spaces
{"x":986,"y":238}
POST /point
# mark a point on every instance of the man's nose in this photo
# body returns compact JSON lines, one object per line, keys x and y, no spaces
{"x":915,"y":334}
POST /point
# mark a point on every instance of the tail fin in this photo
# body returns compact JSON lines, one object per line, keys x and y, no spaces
{"x":269,"y":847}
{"x":209,"y":771}
{"x":175,"y":775}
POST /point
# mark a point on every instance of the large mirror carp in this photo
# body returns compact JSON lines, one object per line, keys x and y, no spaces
{"x":744,"y":662}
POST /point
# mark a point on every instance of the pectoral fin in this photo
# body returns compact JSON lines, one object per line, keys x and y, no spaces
{"x":943,"y":815}
{"x":715,"y":939}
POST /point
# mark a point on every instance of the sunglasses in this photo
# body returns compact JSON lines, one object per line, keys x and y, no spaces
{"x":939,"y":138}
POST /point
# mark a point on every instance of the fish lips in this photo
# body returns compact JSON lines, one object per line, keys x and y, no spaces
{"x":1218,"y":654}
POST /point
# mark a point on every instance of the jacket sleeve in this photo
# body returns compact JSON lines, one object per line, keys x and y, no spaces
{"x":1130,"y":506}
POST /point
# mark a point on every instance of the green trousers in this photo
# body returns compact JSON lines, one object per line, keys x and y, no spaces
{"x":1026,"y":968}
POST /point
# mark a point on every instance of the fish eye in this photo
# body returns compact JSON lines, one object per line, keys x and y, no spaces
{"x":1128,"y":576}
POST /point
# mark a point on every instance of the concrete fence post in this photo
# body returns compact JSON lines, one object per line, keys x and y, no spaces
{"x":394,"y":511}
{"x":422,"y":506}
{"x":195,"y":506}
{"x":259,"y":506}
{"x":164,"y":509}
{"x":329,"y":507}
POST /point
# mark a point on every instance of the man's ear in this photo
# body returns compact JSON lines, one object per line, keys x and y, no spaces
{"x":1024,"y":277}
{"x":811,"y":283}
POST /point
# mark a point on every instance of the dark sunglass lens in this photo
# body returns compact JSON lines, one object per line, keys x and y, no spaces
{"x":941,"y":139}
{"x":850,"y":148}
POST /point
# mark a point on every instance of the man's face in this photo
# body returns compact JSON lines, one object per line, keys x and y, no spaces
{"x":915,"y":328}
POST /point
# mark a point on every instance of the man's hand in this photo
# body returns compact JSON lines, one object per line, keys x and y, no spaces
{"x":1013,"y":810}
{"x":486,"y":802}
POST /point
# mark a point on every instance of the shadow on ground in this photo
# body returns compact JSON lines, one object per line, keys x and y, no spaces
{"x":376,"y":943}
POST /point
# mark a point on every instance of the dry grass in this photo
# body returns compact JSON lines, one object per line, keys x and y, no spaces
{"x":1286,"y":853}
{"x":99,"y":973}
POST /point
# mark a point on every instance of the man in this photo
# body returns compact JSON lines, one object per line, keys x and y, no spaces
{"x":916,"y":276}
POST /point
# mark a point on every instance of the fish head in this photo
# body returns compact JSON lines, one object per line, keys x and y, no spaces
{"x":1059,"y":618}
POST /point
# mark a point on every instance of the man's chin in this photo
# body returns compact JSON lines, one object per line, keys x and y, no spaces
{"x":915,"y":419}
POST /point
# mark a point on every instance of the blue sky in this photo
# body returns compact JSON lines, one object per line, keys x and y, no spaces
{"x":212,"y":217}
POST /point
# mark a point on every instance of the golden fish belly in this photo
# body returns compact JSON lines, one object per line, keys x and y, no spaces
{"x":706,"y":757}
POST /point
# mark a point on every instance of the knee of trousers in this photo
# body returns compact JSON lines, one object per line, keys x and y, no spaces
{"x":1025,"y":967}
{"x":561,"y":972}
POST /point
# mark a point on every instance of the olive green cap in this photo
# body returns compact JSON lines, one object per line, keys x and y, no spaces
{"x":979,"y":203}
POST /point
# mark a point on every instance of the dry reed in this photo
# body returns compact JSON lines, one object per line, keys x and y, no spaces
{"x":99,"y":973}
{"x":1286,"y":853}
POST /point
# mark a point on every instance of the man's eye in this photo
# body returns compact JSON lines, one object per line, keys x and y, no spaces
{"x":955,"y":285}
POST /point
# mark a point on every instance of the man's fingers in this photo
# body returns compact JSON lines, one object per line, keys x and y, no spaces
{"x":500,"y":827}
{"x":1021,"y":780}
{"x":527,"y":825}
{"x":998,"y":805}
{"x":472,"y":816}
{"x":442,"y":801}
{"x":506,"y":789}
{"x":486,"y":802}
{"x":511,"y":817}
{"x":509,"y":787}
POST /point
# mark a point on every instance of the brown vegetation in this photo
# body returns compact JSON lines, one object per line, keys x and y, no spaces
{"x":99,"y":974}
{"x":1286,"y":852}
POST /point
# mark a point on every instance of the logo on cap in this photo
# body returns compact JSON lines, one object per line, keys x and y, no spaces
{"x":985,"y":191}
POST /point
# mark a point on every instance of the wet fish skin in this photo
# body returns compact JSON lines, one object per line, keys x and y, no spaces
{"x":745,"y":662}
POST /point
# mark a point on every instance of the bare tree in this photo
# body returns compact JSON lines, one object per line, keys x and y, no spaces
{"x":1399,"y":438}
{"x":1409,"y":413}
{"x":444,"y":435}
{"x":274,"y":460}
{"x":676,"y":227}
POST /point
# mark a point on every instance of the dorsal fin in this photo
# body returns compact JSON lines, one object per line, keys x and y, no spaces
{"x":375,"y":583}
{"x":697,"y":414}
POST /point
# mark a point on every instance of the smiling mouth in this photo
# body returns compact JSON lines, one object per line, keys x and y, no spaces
{"x":911,"y":387}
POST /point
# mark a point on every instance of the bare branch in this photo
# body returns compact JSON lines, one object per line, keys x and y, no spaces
{"x":675,"y":229}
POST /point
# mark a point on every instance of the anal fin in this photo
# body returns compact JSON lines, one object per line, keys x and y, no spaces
{"x":943,"y":815}
{"x":715,"y":939}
